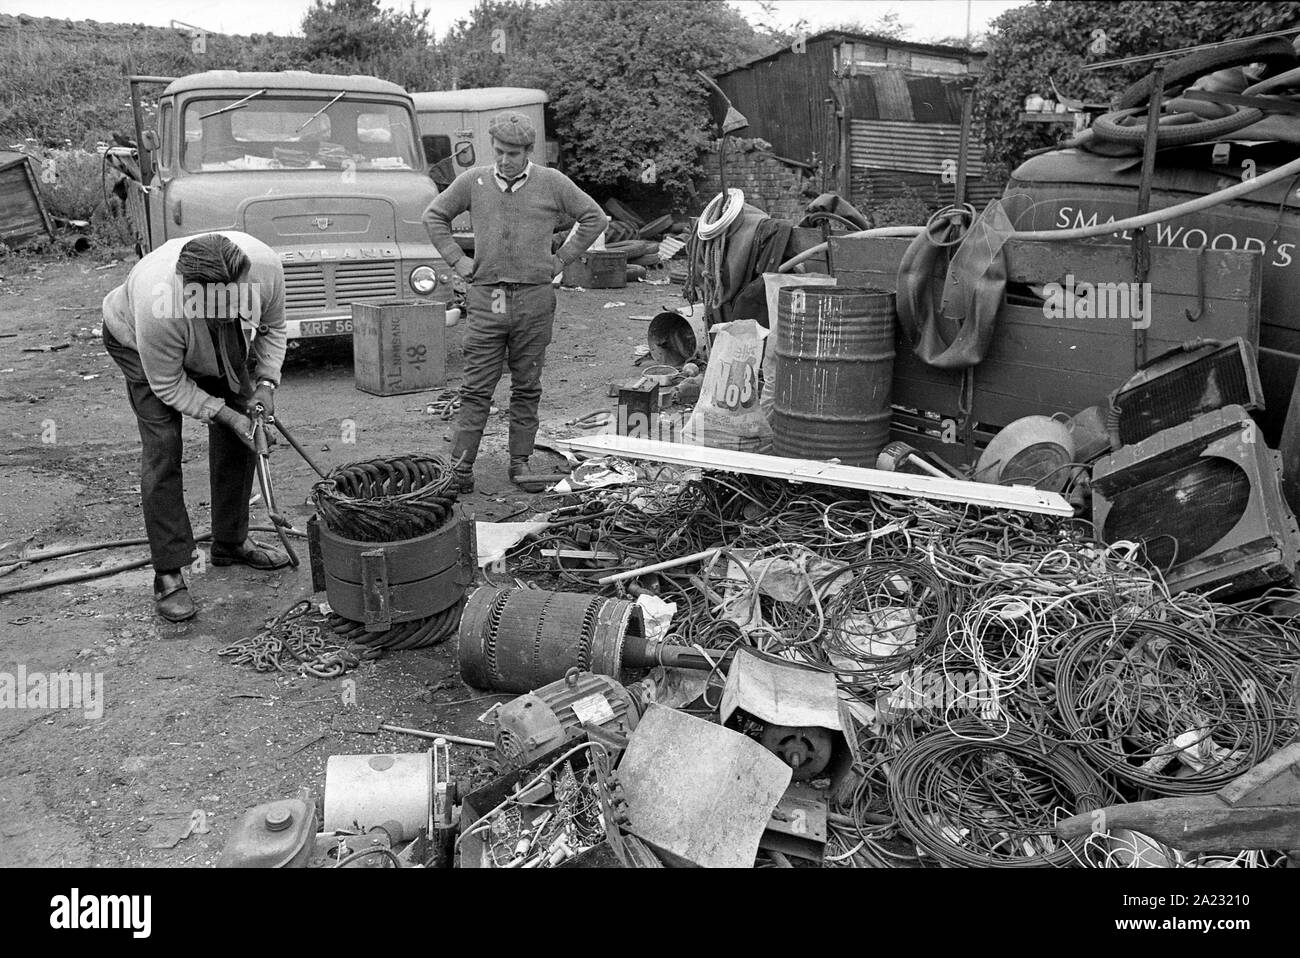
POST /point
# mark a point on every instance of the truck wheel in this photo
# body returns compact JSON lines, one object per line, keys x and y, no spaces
{"x":1276,"y":52}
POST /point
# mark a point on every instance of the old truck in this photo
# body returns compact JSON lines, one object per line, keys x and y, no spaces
{"x":327,"y":170}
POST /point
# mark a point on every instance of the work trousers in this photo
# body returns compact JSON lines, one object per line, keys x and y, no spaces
{"x":507,"y":323}
{"x":162,"y":495}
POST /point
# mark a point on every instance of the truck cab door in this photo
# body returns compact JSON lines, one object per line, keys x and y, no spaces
{"x":164,"y":169}
{"x":145,"y":197}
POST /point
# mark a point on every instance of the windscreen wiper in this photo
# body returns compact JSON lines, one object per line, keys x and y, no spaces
{"x":233,"y":106}
{"x":322,"y":110}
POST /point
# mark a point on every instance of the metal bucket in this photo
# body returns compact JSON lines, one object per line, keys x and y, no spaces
{"x":675,"y":339}
{"x":834,"y":372}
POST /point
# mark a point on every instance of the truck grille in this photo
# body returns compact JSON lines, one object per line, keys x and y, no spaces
{"x":354,"y":282}
{"x":304,"y":287}
{"x":307,"y":286}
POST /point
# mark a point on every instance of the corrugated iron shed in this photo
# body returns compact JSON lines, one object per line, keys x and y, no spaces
{"x":903,"y":124}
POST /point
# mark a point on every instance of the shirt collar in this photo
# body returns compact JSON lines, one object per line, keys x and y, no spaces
{"x":505,"y":185}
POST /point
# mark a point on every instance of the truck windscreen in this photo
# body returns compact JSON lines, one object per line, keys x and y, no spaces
{"x":295,"y":133}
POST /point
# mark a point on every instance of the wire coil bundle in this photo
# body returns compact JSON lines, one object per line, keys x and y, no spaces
{"x":386,"y":499}
{"x":1150,"y":702}
{"x":990,"y":805}
{"x":416,"y":634}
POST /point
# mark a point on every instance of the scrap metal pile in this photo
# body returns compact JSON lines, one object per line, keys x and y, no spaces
{"x":997,"y":673}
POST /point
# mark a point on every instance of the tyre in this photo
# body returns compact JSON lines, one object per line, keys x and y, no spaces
{"x":1113,"y":128}
{"x":1277,"y":53}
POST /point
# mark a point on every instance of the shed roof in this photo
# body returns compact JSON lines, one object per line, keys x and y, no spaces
{"x":937,"y":49}
{"x":9,"y":157}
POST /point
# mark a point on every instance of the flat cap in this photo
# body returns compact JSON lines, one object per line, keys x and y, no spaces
{"x":512,"y":128}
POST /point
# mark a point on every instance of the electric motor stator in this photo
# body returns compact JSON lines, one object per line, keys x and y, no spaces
{"x":517,"y":640}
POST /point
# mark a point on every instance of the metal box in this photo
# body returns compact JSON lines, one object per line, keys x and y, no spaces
{"x":597,"y":269}
{"x":1206,"y":498}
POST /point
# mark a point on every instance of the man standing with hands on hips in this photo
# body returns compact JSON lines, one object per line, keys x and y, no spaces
{"x":516,"y":207}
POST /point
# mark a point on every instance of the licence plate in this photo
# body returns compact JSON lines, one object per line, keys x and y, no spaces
{"x":325,"y":327}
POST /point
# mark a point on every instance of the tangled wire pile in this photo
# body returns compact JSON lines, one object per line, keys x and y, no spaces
{"x":295,"y":642}
{"x":532,"y":833}
{"x":445,"y":404}
{"x":386,"y":500}
{"x":1003,"y":670}
{"x":303,"y":641}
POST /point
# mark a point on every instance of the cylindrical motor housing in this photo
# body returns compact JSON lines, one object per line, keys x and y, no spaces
{"x":517,"y":640}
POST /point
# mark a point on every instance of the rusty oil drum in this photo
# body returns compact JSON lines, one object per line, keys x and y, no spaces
{"x":385,"y":583}
{"x":834,"y":373}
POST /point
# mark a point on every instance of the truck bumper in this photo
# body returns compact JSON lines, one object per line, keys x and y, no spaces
{"x":321,"y":327}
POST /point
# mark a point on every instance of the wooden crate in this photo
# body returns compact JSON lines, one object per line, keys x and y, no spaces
{"x":1038,"y":365}
{"x":22,"y":214}
{"x":399,"y":347}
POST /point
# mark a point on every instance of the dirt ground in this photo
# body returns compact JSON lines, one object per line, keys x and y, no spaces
{"x":182,"y":729}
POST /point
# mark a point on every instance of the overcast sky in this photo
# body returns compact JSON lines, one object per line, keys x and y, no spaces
{"x":928,"y":19}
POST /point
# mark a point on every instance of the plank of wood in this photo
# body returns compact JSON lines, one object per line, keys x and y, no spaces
{"x":1229,"y":274}
{"x":1197,"y":823}
{"x":1016,"y":498}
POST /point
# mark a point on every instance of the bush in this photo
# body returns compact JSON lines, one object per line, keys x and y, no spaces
{"x":74,"y":185}
{"x":70,"y":182}
{"x":1031,"y":45}
{"x":621,"y":78}
{"x":907,"y":209}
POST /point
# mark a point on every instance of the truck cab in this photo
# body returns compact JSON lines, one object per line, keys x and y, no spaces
{"x":326,"y":170}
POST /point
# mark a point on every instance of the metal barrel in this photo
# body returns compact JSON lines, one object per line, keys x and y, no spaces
{"x":517,"y":640}
{"x":834,"y":371}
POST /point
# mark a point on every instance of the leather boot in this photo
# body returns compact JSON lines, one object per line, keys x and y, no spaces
{"x":463,"y":477}
{"x":251,"y":554}
{"x":171,"y":597}
{"x":520,"y":475}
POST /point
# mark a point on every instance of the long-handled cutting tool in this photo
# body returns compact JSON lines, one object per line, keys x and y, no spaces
{"x":262,"y":448}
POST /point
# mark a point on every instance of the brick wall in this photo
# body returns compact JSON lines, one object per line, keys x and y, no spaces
{"x":769,"y":184}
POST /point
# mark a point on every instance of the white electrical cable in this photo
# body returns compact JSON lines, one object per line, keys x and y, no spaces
{"x":730,"y":203}
{"x":901,"y":232}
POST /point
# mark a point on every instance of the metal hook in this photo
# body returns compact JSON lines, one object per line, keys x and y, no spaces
{"x":1200,"y":288}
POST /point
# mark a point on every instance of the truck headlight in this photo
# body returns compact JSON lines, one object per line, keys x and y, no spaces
{"x":423,"y":279}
